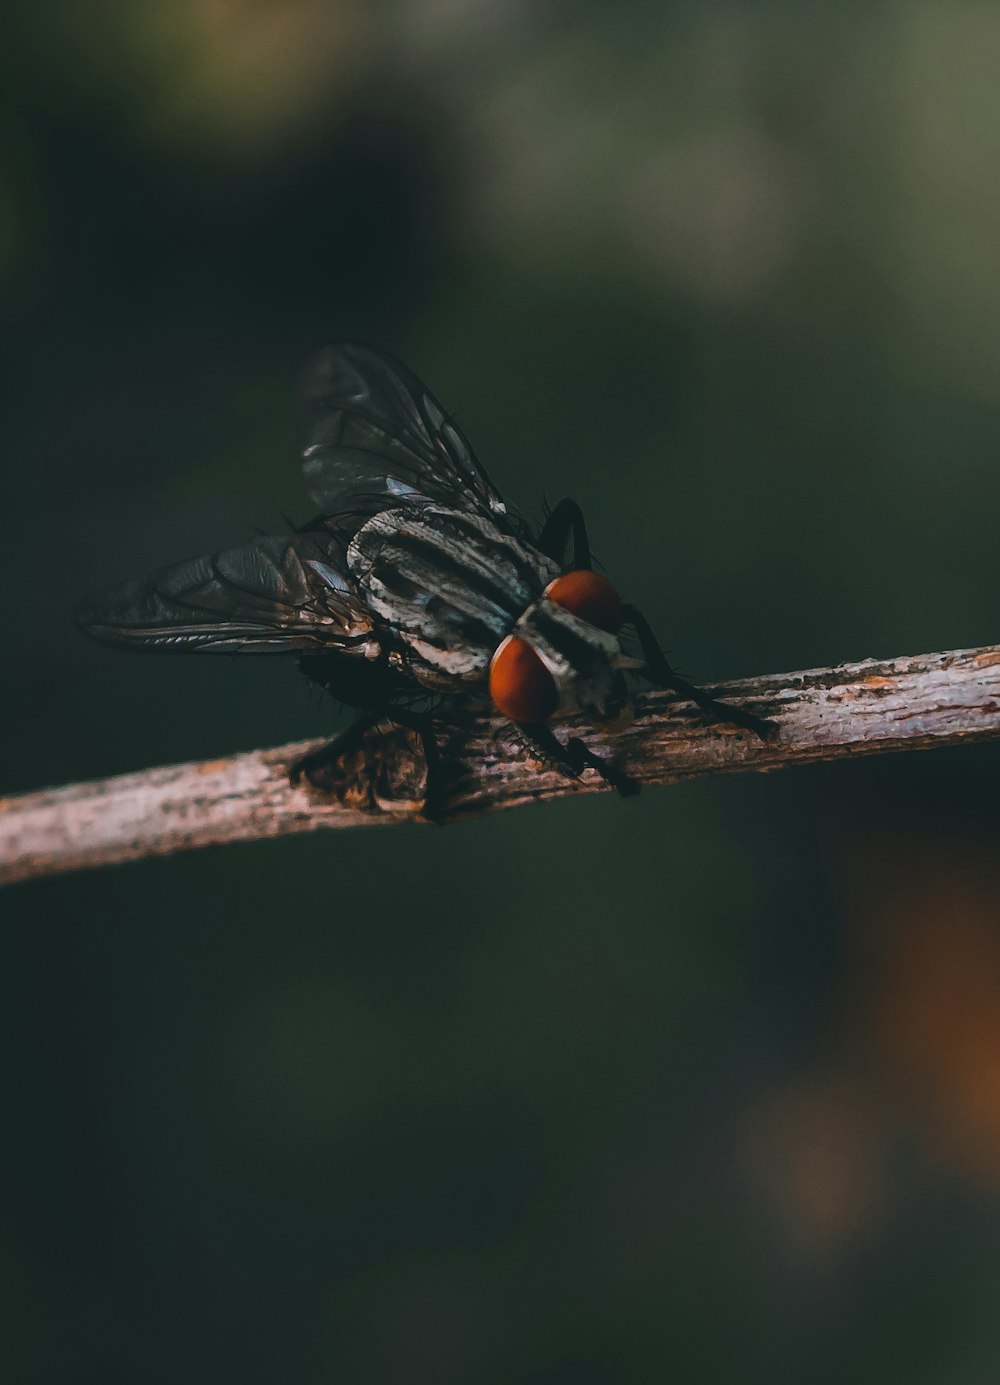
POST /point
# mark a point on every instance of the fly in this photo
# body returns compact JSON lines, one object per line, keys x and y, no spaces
{"x":413,"y":579}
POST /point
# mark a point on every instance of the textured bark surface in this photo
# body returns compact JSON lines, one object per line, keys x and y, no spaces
{"x":822,"y":714}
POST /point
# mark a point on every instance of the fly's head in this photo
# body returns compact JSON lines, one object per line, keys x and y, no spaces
{"x":564,"y":655}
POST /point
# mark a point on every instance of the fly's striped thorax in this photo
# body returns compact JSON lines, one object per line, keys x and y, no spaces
{"x":447,"y":586}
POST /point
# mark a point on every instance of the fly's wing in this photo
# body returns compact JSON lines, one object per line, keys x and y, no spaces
{"x":378,"y":438}
{"x":275,"y":595}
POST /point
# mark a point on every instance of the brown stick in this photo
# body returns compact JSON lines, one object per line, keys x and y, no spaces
{"x":823,"y":714}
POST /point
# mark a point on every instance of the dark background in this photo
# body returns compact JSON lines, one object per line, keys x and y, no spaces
{"x":705,"y":1083}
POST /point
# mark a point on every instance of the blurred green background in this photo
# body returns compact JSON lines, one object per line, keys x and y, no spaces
{"x":705,"y":1084}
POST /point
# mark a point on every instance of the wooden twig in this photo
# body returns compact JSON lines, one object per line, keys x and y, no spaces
{"x":823,"y":714}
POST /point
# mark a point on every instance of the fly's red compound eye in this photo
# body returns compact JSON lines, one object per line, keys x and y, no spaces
{"x":589,"y":596}
{"x":521,"y":686}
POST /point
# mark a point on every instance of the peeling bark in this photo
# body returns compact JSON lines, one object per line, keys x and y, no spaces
{"x":822,"y":714}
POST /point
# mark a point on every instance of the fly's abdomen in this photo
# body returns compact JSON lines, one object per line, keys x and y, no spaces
{"x":448,"y":587}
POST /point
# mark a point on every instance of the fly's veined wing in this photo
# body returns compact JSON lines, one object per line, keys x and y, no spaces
{"x":274,"y":595}
{"x":377,"y":437}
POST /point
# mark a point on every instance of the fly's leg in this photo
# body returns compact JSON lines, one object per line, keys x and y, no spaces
{"x":313,"y":764}
{"x":573,"y":758}
{"x":659,"y":672}
{"x":566,"y":516}
{"x":320,"y":766}
{"x":423,"y":724}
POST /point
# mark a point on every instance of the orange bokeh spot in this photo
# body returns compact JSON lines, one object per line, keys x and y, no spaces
{"x":521,"y":686}
{"x":589,"y":596}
